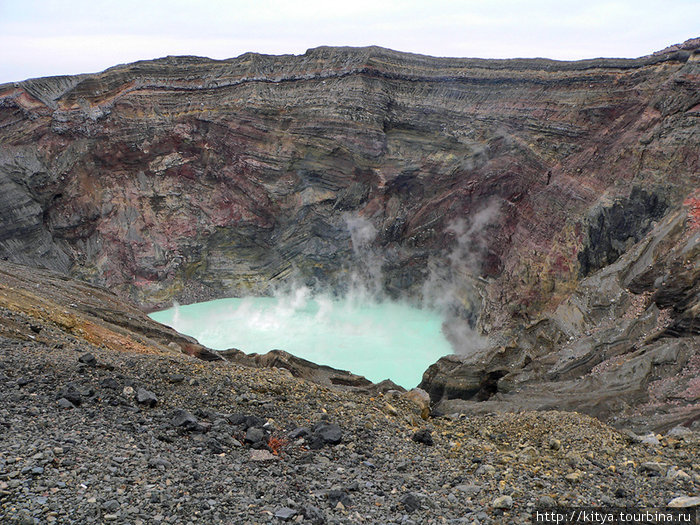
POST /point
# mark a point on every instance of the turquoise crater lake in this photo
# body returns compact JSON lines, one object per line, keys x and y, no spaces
{"x":377,"y":339}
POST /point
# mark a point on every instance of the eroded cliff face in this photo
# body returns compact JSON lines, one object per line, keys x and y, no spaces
{"x":624,"y":346}
{"x":499,"y":187}
{"x":186,"y":177}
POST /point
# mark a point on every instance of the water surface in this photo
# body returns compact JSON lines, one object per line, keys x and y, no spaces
{"x":379,"y":340}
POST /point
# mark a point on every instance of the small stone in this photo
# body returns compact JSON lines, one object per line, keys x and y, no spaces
{"x":653,"y":467}
{"x":469,"y":490}
{"x":554,"y":444}
{"x":182,"y":418}
{"x":262,"y":455}
{"x":421,"y":399}
{"x":88,"y":359}
{"x":325,"y":434}
{"x":285,"y":513}
{"x":675,"y":473}
{"x":621,"y":493}
{"x":574,"y":477}
{"x":71,"y":393}
{"x":528,"y":455}
{"x":26,"y":520}
{"x":390,"y":410}
{"x":339,"y":496}
{"x":486,"y":470}
{"x":679,"y":432}
{"x":177,"y":378}
{"x":128,"y":392}
{"x":547,"y":501}
{"x":502,"y":502}
{"x":299,"y":432}
{"x":631,"y":436}
{"x":111,"y":383}
{"x":650,"y":439}
{"x":410,"y":502}
{"x":111,"y":505}
{"x":214,"y":446}
{"x":423,"y":436}
{"x":146,"y":397}
{"x":313,"y":514}
{"x":159,"y":463}
{"x":684,"y":502}
{"x":65,"y":404}
{"x":23,"y":381}
{"x":256,"y":435}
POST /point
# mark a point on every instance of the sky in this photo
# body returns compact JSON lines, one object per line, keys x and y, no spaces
{"x":53,"y":37}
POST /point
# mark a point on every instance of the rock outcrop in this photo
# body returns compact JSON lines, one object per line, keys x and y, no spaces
{"x":625,"y":346}
{"x":509,"y":192}
{"x":56,"y":310}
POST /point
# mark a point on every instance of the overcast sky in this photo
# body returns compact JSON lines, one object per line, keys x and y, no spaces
{"x":52,"y":37}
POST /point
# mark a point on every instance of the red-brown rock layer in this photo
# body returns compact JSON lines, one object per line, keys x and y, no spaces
{"x":494,"y":185}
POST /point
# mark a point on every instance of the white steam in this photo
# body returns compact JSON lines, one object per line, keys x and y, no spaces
{"x":452,"y":288}
{"x":366,"y":276}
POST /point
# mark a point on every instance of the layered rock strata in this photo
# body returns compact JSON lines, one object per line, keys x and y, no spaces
{"x":498,"y":190}
{"x":185,"y":177}
{"x":625,"y":346}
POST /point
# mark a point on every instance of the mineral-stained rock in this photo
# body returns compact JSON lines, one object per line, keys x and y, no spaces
{"x":550,"y":207}
{"x":624,"y":343}
{"x":189,"y":178}
{"x":421,"y":399}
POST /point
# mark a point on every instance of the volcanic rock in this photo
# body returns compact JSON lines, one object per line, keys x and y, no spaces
{"x":64,"y":403}
{"x":88,"y":359}
{"x":182,"y":418}
{"x":285,"y":513}
{"x":256,"y":436}
{"x":684,"y":502}
{"x":410,"y":502}
{"x":146,"y":397}
{"x":71,"y":393}
{"x":325,"y":434}
{"x":220,"y":177}
{"x":423,"y":436}
{"x":550,"y":207}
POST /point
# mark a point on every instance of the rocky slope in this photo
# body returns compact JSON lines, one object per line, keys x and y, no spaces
{"x":624,"y":346}
{"x":97,"y":429}
{"x":549,"y":207}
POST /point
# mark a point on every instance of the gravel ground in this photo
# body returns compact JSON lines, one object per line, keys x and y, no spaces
{"x":93,"y":435}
